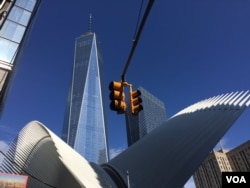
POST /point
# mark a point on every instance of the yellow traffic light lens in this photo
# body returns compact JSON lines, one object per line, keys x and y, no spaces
{"x":116,"y":85}
{"x":135,"y":93}
{"x":117,"y":105}
{"x":135,"y":102}
{"x":117,"y":95}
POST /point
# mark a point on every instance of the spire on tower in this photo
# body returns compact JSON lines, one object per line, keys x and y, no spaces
{"x":90,"y":22}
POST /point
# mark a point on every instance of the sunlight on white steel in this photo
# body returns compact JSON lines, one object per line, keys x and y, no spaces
{"x":233,"y":94}
{"x":242,"y":97}
{"x":211,"y":101}
{"x":243,"y":102}
{"x":225,"y":98}
{"x":221,"y":99}
{"x":248,"y":103}
{"x":235,"y":98}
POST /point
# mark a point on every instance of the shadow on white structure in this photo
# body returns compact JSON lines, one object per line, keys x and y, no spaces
{"x":166,"y":157}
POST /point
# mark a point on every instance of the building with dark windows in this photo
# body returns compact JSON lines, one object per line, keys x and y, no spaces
{"x":209,"y":172}
{"x":239,"y":157}
{"x":15,"y":21}
{"x":152,"y":115}
{"x":84,"y":123}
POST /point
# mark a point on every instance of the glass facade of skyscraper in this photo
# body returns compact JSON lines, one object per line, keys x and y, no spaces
{"x":152,"y":115}
{"x":84,"y":124}
{"x":15,"y":21}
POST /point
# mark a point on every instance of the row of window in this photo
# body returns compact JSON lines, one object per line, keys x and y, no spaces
{"x":14,"y":28}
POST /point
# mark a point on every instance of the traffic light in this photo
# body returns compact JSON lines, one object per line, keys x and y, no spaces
{"x":117,"y":97}
{"x":135,"y":102}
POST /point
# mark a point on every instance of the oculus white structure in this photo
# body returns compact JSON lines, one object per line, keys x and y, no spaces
{"x":50,"y":162}
{"x":160,"y":159}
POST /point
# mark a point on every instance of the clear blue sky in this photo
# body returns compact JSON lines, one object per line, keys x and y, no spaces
{"x":189,"y":50}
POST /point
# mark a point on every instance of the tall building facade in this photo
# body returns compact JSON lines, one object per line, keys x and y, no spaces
{"x":84,"y":124}
{"x":239,"y":157}
{"x":209,"y":172}
{"x":152,"y":115}
{"x":15,"y":21}
{"x":208,"y":175}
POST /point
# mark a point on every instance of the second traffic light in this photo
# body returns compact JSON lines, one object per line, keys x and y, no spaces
{"x":117,"y":97}
{"x":135,"y":102}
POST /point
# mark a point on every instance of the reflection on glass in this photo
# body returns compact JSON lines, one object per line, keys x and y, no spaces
{"x":8,"y":50}
{"x":12,"y":31}
{"x":19,"y":15}
{"x":27,"y":4}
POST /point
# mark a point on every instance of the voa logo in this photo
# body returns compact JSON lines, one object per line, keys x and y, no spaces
{"x":236,"y":179}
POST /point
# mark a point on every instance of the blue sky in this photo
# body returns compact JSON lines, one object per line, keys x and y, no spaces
{"x":188,"y":51}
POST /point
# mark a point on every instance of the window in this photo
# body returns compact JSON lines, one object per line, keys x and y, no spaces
{"x":27,"y":4}
{"x":12,"y":31}
{"x":19,"y":15}
{"x":8,"y":50}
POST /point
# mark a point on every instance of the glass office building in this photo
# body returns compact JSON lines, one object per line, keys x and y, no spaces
{"x":15,"y":20}
{"x":84,"y":124}
{"x":152,"y":115}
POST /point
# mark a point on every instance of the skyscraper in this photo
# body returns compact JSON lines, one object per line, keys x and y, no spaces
{"x":152,"y":115}
{"x":15,"y":21}
{"x":239,"y":157}
{"x":84,"y":124}
{"x":209,"y":172}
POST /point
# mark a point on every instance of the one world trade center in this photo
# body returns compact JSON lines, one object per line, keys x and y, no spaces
{"x":84,"y":122}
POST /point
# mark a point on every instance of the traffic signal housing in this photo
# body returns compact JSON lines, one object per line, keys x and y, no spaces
{"x":117,"y":97}
{"x":135,"y":102}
